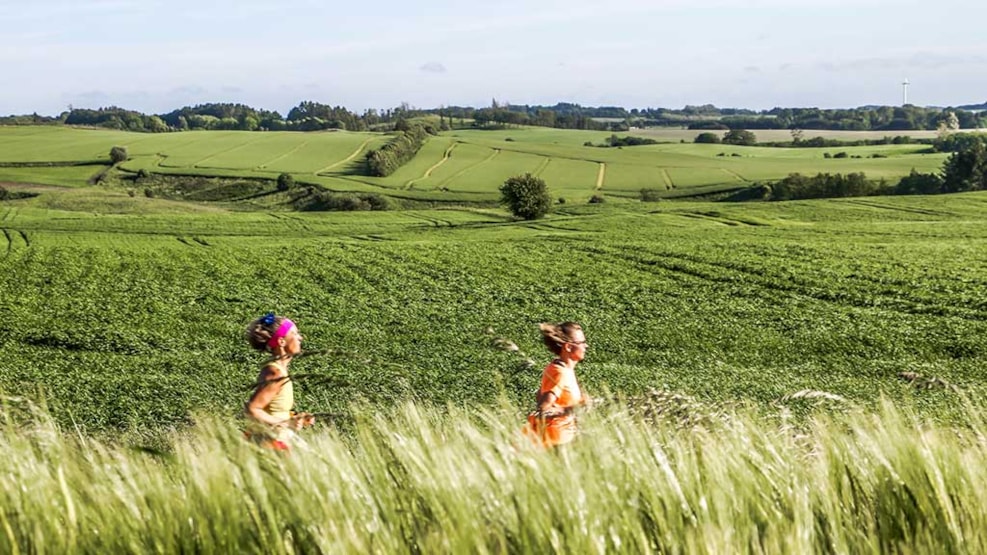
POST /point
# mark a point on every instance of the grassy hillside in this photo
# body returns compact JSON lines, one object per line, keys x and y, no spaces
{"x":126,"y":313}
{"x":458,"y":166}
{"x":744,"y":351}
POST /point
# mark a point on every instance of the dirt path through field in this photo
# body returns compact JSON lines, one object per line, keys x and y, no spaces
{"x":541,"y":167}
{"x":669,"y":184}
{"x":735,"y":174}
{"x":463,"y":171}
{"x":347,"y":159}
{"x":428,"y":172}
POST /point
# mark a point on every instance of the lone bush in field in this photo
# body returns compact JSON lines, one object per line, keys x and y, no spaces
{"x":285,"y":182}
{"x":650,"y":195}
{"x":328,"y":201}
{"x":526,"y":196}
{"x":739,"y":137}
{"x":119,"y":154}
{"x":707,"y":138}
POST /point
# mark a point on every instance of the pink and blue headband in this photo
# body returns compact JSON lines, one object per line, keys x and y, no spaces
{"x":282,"y":330}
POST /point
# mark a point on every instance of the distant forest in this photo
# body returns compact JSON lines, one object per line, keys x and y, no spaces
{"x":315,"y":116}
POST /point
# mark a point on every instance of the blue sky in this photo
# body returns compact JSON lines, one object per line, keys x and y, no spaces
{"x":154,"y":56}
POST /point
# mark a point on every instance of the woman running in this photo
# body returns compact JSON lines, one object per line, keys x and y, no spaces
{"x":270,"y":407}
{"x":553,"y":423}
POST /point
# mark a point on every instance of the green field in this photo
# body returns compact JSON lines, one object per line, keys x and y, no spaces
{"x":127,"y":311}
{"x":457,"y":166}
{"x":744,"y":350}
{"x":779,"y":135}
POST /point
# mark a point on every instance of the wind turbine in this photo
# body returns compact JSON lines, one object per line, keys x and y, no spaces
{"x":904,"y":92}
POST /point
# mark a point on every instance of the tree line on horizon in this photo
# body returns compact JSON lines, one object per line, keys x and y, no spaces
{"x":315,"y":116}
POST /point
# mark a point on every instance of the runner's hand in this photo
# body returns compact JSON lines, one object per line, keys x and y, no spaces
{"x":301,"y":420}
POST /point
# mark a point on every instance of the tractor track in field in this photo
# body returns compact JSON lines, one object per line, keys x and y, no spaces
{"x":541,"y":167}
{"x":346,"y":160}
{"x":909,"y":210}
{"x":601,"y":175}
{"x":192,"y":241}
{"x":716,"y":218}
{"x":463,"y":171}
{"x":264,"y":166}
{"x":433,"y":222}
{"x":299,"y":222}
{"x":12,"y":236}
{"x":718,"y":272}
{"x":552,"y":227}
{"x":164,"y":156}
{"x":198,"y":164}
{"x":735,"y":174}
{"x":428,"y":172}
{"x":669,"y":184}
{"x":703,"y":217}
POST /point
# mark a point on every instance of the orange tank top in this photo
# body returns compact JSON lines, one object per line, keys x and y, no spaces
{"x":561,"y":381}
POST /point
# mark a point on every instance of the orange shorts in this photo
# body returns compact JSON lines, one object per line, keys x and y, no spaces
{"x":550,"y":432}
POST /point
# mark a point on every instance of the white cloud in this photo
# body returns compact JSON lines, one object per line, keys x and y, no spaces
{"x":433,"y":67}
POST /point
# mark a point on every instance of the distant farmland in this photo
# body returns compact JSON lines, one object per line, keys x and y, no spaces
{"x":772,"y":135}
{"x":459,"y":165}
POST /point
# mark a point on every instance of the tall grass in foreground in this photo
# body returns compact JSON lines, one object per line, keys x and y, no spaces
{"x":435,"y":479}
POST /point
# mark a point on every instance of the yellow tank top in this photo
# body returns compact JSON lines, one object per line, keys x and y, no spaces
{"x":282,"y":403}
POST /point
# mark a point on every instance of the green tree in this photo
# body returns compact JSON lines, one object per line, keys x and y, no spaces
{"x":707,"y":138}
{"x":285,"y":182}
{"x":526,"y":196}
{"x":966,"y":169}
{"x":119,"y":154}
{"x":155,"y":124}
{"x":739,"y":137}
{"x":917,"y":183}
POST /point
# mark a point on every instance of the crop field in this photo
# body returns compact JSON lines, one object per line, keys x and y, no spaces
{"x":457,"y":166}
{"x":742,"y":350}
{"x":129,"y":318}
{"x":772,"y":135}
{"x":70,"y":176}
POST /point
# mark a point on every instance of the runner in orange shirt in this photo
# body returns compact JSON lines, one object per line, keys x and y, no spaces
{"x":553,"y":423}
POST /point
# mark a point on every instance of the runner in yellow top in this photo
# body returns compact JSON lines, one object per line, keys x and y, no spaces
{"x":553,"y":422}
{"x":274,"y":424}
